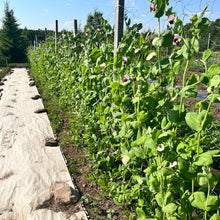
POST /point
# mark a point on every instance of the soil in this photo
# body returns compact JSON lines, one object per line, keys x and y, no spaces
{"x":96,"y":204}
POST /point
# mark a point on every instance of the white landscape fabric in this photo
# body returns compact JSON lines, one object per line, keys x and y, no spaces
{"x":27,"y":166}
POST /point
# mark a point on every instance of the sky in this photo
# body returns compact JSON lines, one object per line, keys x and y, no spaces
{"x":41,"y":14}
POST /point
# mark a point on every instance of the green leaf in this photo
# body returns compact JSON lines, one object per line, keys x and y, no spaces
{"x":159,"y":199}
{"x":167,"y":39}
{"x":142,"y":39}
{"x":157,"y":42}
{"x":189,"y":91}
{"x":212,"y":203}
{"x":151,"y":56}
{"x":177,"y":67}
{"x":125,"y":159}
{"x":192,"y":121}
{"x":124,"y":117}
{"x":140,"y":213}
{"x":102,"y":120}
{"x":206,"y":54}
{"x":215,"y":81}
{"x":170,"y":208}
{"x":203,"y":159}
{"x":202,"y":105}
{"x":215,"y":217}
{"x":213,"y":70}
{"x":198,"y":200}
{"x":194,"y":78}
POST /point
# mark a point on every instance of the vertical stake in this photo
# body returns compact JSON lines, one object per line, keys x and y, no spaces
{"x":56,"y":35}
{"x":119,"y":22}
{"x":45,"y":35}
{"x":75,"y":28}
{"x":209,"y":41}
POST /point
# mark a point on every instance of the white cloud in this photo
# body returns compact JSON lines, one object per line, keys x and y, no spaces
{"x":46,"y":10}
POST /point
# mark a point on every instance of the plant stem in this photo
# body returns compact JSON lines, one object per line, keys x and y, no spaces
{"x":184,"y":83}
{"x":158,"y":49}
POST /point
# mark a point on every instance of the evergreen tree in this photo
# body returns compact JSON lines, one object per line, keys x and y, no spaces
{"x":94,"y":21}
{"x":12,"y":43}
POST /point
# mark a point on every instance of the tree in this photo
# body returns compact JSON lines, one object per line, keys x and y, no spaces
{"x":94,"y":21}
{"x":12,"y":43}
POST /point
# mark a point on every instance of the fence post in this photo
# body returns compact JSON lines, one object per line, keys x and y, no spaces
{"x":36,"y":40}
{"x":75,"y":28}
{"x":119,"y":22}
{"x":56,"y":35}
{"x":209,"y":41}
{"x":45,"y":35}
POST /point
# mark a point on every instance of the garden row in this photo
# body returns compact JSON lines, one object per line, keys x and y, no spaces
{"x":149,"y":153}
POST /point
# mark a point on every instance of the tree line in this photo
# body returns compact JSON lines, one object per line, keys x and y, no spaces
{"x":14,"y":41}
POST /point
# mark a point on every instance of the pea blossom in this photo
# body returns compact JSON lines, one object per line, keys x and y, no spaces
{"x":126,"y":78}
{"x":87,"y":35}
{"x":176,"y":40}
{"x":153,"y":8}
{"x":82,"y":45}
{"x":98,"y":30}
{"x":125,"y":59}
{"x":137,"y":51}
{"x":171,"y":19}
{"x":161,"y":149}
{"x":173,"y":164}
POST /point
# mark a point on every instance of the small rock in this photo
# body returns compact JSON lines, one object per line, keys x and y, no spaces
{"x":41,"y":111}
{"x":32,"y":83}
{"x":1,"y":89}
{"x":50,"y":141}
{"x":2,"y":84}
{"x":62,"y":193}
{"x":36,"y":97}
{"x":4,"y":79}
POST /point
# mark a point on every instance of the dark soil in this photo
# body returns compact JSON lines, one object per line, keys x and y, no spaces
{"x":96,"y":204}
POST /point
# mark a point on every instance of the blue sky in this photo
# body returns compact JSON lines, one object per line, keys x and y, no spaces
{"x":41,"y":14}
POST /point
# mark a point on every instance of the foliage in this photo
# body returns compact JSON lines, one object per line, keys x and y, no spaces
{"x":12,"y":42}
{"x":4,"y":71}
{"x":150,"y":154}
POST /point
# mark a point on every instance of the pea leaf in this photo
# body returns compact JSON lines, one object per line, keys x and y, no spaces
{"x":198,"y":200}
{"x":189,"y":91}
{"x":192,"y":121}
{"x":170,"y":208}
{"x":206,"y":54}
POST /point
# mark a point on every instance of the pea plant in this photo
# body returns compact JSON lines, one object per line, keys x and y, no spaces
{"x":150,"y":153}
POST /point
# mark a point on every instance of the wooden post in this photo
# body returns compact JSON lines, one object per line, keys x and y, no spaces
{"x":119,"y":22}
{"x":75,"y":28}
{"x":56,"y":35}
{"x":34,"y":45}
{"x":45,"y":34}
{"x":36,"y":41}
{"x":209,"y":41}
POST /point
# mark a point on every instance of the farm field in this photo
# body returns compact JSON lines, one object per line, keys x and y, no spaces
{"x":153,"y":149}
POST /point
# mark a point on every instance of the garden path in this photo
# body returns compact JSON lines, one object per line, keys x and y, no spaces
{"x":29,"y":170}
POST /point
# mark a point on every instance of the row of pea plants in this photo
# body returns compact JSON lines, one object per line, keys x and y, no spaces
{"x":150,"y":154}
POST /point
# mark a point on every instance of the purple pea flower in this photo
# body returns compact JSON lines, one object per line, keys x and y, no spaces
{"x":125,"y":59}
{"x":98,"y":30}
{"x":126,"y":78}
{"x":87,"y":35}
{"x":176,"y":40}
{"x":82,"y":45}
{"x":171,"y":19}
{"x":153,"y":8}
{"x":137,"y":51}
